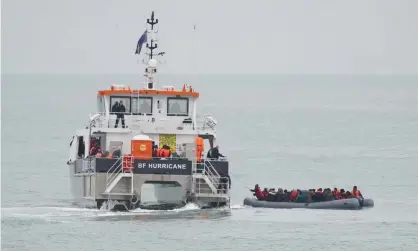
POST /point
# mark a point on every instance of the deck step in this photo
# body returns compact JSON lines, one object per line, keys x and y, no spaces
{"x":119,"y":194}
{"x":213,"y":195}
{"x":116,"y":179}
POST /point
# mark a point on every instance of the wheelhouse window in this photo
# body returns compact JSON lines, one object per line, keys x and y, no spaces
{"x":141,"y":105}
{"x":177,"y":106}
{"x":116,"y":102}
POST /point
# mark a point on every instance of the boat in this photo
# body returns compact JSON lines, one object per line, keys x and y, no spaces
{"x":344,"y":204}
{"x":130,"y":170}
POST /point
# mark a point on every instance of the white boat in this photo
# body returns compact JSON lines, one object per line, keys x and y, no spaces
{"x":128,"y":174}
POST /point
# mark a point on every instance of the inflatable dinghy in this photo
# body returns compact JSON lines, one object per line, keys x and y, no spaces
{"x":345,"y":204}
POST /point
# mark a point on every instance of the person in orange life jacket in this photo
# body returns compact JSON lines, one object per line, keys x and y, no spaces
{"x":293,"y":195}
{"x":164,"y":152}
{"x":95,"y":149}
{"x":356,"y":193}
{"x":214,"y":153}
{"x":257,"y":192}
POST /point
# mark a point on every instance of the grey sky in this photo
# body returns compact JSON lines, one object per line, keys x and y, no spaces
{"x":282,"y":37}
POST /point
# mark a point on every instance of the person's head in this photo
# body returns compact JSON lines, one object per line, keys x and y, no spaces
{"x":217,"y":146}
{"x":342,"y":191}
{"x":354,"y":188}
{"x":121,"y":102}
{"x":280,"y":190}
{"x":256,"y":186}
{"x":335,"y":189}
{"x":116,"y":103}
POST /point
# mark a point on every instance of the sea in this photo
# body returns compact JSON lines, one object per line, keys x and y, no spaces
{"x":280,"y":131}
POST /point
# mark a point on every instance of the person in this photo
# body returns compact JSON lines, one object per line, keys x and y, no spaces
{"x":154,"y":150}
{"x":164,"y":152}
{"x":293,"y":195}
{"x":342,"y":195}
{"x":279,"y":196}
{"x":335,"y":193}
{"x":115,"y":108}
{"x":214,"y":153}
{"x":257,"y":192}
{"x":120,"y":109}
{"x":356,"y":193}
{"x":95,"y":150}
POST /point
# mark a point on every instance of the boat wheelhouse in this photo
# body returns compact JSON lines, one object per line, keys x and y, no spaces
{"x":116,"y":157}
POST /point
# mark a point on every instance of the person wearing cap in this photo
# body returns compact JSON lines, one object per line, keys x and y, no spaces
{"x":214,"y":153}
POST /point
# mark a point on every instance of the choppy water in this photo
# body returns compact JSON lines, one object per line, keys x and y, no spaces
{"x":277,"y":131}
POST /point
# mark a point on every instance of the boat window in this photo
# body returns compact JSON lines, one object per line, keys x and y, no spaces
{"x":177,"y":106}
{"x":80,"y":147}
{"x":100,"y":104}
{"x":126,"y":101}
{"x":141,"y":105}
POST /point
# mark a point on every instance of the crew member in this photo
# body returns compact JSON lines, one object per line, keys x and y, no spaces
{"x":356,"y":193}
{"x":214,"y":153}
{"x":164,"y":152}
{"x":120,"y":110}
{"x":154,"y":149}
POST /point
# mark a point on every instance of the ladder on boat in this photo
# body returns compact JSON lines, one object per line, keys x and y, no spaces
{"x":207,"y":182}
{"x":120,"y":170}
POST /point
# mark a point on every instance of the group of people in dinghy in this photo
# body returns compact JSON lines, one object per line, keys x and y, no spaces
{"x":304,"y":196}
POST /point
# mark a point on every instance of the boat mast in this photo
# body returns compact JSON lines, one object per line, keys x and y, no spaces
{"x":152,"y":62}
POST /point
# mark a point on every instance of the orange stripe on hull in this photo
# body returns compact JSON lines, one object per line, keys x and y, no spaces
{"x":149,"y":92}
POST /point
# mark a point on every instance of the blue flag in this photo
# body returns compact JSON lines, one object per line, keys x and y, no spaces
{"x":141,"y":41}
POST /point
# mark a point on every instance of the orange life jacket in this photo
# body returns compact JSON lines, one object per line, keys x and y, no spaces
{"x":356,"y":193}
{"x":163,"y":153}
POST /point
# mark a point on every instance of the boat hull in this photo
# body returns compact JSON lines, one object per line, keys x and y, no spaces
{"x":151,"y":190}
{"x":346,"y":204}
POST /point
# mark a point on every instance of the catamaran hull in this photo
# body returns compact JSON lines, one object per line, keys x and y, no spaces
{"x":150,"y":191}
{"x":346,"y":204}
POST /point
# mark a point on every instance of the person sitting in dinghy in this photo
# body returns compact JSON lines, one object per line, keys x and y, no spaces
{"x":356,"y":193}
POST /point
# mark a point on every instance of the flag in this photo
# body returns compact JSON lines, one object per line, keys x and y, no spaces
{"x":141,"y":41}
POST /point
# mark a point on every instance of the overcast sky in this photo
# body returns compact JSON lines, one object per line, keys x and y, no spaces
{"x":231,"y":36}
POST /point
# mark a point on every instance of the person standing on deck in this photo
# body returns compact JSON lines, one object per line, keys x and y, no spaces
{"x":214,"y":153}
{"x":120,"y":109}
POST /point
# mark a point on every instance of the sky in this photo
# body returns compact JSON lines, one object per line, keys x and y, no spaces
{"x":231,"y":37}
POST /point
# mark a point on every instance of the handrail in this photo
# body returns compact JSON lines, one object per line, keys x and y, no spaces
{"x":114,"y":171}
{"x":214,"y":178}
{"x":108,"y":120}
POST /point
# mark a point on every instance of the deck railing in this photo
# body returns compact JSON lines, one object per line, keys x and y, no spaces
{"x":132,"y":120}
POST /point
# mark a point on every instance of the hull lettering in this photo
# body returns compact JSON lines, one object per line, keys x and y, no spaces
{"x":162,"y":166}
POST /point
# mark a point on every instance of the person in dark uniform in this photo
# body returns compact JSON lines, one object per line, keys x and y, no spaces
{"x":120,"y":114}
{"x":214,"y":153}
{"x":115,"y":108}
